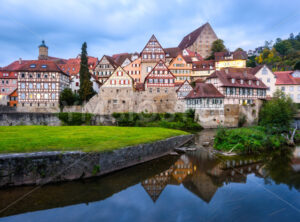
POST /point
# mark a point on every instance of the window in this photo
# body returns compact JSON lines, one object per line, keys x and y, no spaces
{"x":46,"y":85}
{"x":32,"y":66}
{"x":158,"y":90}
{"x":77,"y":83}
{"x":53,"y":85}
{"x":145,"y":56}
{"x":283,"y":88}
{"x":149,"y":68}
{"x":115,"y":101}
{"x":298,"y":96}
{"x":291,"y":88}
{"x":232,"y":80}
{"x":23,"y":85}
{"x":30,"y":85}
{"x":38,"y":85}
{"x":30,"y":76}
{"x":53,"y":95}
{"x":161,"y":56}
{"x":23,"y":75}
{"x":46,"y":96}
{"x":45,"y":76}
{"x":264,"y":71}
{"x":38,"y":96}
{"x":44,"y":66}
{"x":268,"y":80}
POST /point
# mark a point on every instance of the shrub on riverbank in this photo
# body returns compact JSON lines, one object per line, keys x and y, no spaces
{"x":278,"y":113}
{"x":182,"y":121}
{"x":75,"y":119}
{"x":247,"y":140}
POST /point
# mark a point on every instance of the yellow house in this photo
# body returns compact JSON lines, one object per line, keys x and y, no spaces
{"x":235,"y":59}
{"x":181,"y":67}
{"x":134,"y":70}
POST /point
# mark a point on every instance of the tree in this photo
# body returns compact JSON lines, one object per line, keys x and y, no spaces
{"x":66,"y":98}
{"x":278,"y":113}
{"x":217,"y":46}
{"x":251,"y":62}
{"x":239,"y":49}
{"x":297,"y":66}
{"x":86,"y":86}
{"x":283,"y":47}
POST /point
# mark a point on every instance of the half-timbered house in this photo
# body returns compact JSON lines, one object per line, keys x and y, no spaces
{"x":184,"y":89}
{"x":39,"y":85}
{"x":239,"y":86}
{"x":150,"y":56}
{"x":181,"y":67}
{"x":105,"y":67}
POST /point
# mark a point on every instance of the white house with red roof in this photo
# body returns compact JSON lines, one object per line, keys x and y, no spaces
{"x":288,"y":84}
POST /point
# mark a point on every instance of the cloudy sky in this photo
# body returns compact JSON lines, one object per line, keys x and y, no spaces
{"x":114,"y":26}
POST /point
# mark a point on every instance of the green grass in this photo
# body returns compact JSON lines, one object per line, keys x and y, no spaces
{"x":19,"y":139}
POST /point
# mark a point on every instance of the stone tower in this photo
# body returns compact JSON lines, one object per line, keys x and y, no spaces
{"x":43,"y":51}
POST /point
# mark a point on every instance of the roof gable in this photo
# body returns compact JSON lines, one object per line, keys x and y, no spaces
{"x":204,"y":90}
{"x":119,"y":78}
{"x":153,"y":48}
{"x":184,"y":86}
{"x":189,"y":39}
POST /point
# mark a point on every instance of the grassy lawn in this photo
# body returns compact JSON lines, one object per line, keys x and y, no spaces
{"x":18,"y":139}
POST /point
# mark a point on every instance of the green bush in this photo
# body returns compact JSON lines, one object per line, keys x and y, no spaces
{"x":183,"y":121}
{"x":75,"y":119}
{"x":246,"y":140}
{"x":278,"y":113}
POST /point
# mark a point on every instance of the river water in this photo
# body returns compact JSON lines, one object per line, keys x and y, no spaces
{"x":196,"y":186}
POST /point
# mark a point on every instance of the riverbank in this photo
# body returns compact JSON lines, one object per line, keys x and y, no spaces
{"x":48,"y":167}
{"x":22,"y":139}
{"x":248,"y":140}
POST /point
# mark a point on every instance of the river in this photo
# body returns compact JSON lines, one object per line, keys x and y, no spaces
{"x":196,"y":186}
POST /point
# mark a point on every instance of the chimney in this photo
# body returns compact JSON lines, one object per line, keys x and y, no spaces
{"x":20,"y":61}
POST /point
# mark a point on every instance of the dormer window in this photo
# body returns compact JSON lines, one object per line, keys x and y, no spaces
{"x":44,"y":66}
{"x":232,"y":80}
{"x":32,"y":66}
{"x":250,"y":82}
{"x":242,"y":81}
{"x":257,"y":83}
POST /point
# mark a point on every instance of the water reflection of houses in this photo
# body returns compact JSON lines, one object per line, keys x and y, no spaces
{"x":201,"y":174}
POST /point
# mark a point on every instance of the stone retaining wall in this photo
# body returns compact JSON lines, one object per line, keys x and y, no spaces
{"x":49,"y":167}
{"x":50,"y":119}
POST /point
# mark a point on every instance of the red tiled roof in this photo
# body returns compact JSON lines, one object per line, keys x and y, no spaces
{"x":189,"y":39}
{"x":203,"y":65}
{"x":194,"y":54}
{"x":40,"y":66}
{"x":204,"y":90}
{"x":120,"y":58}
{"x":220,"y":56}
{"x":72,"y":66}
{"x":285,"y":78}
{"x":226,"y":75}
{"x":172,"y":52}
{"x":111,"y":61}
{"x":14,"y":65}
